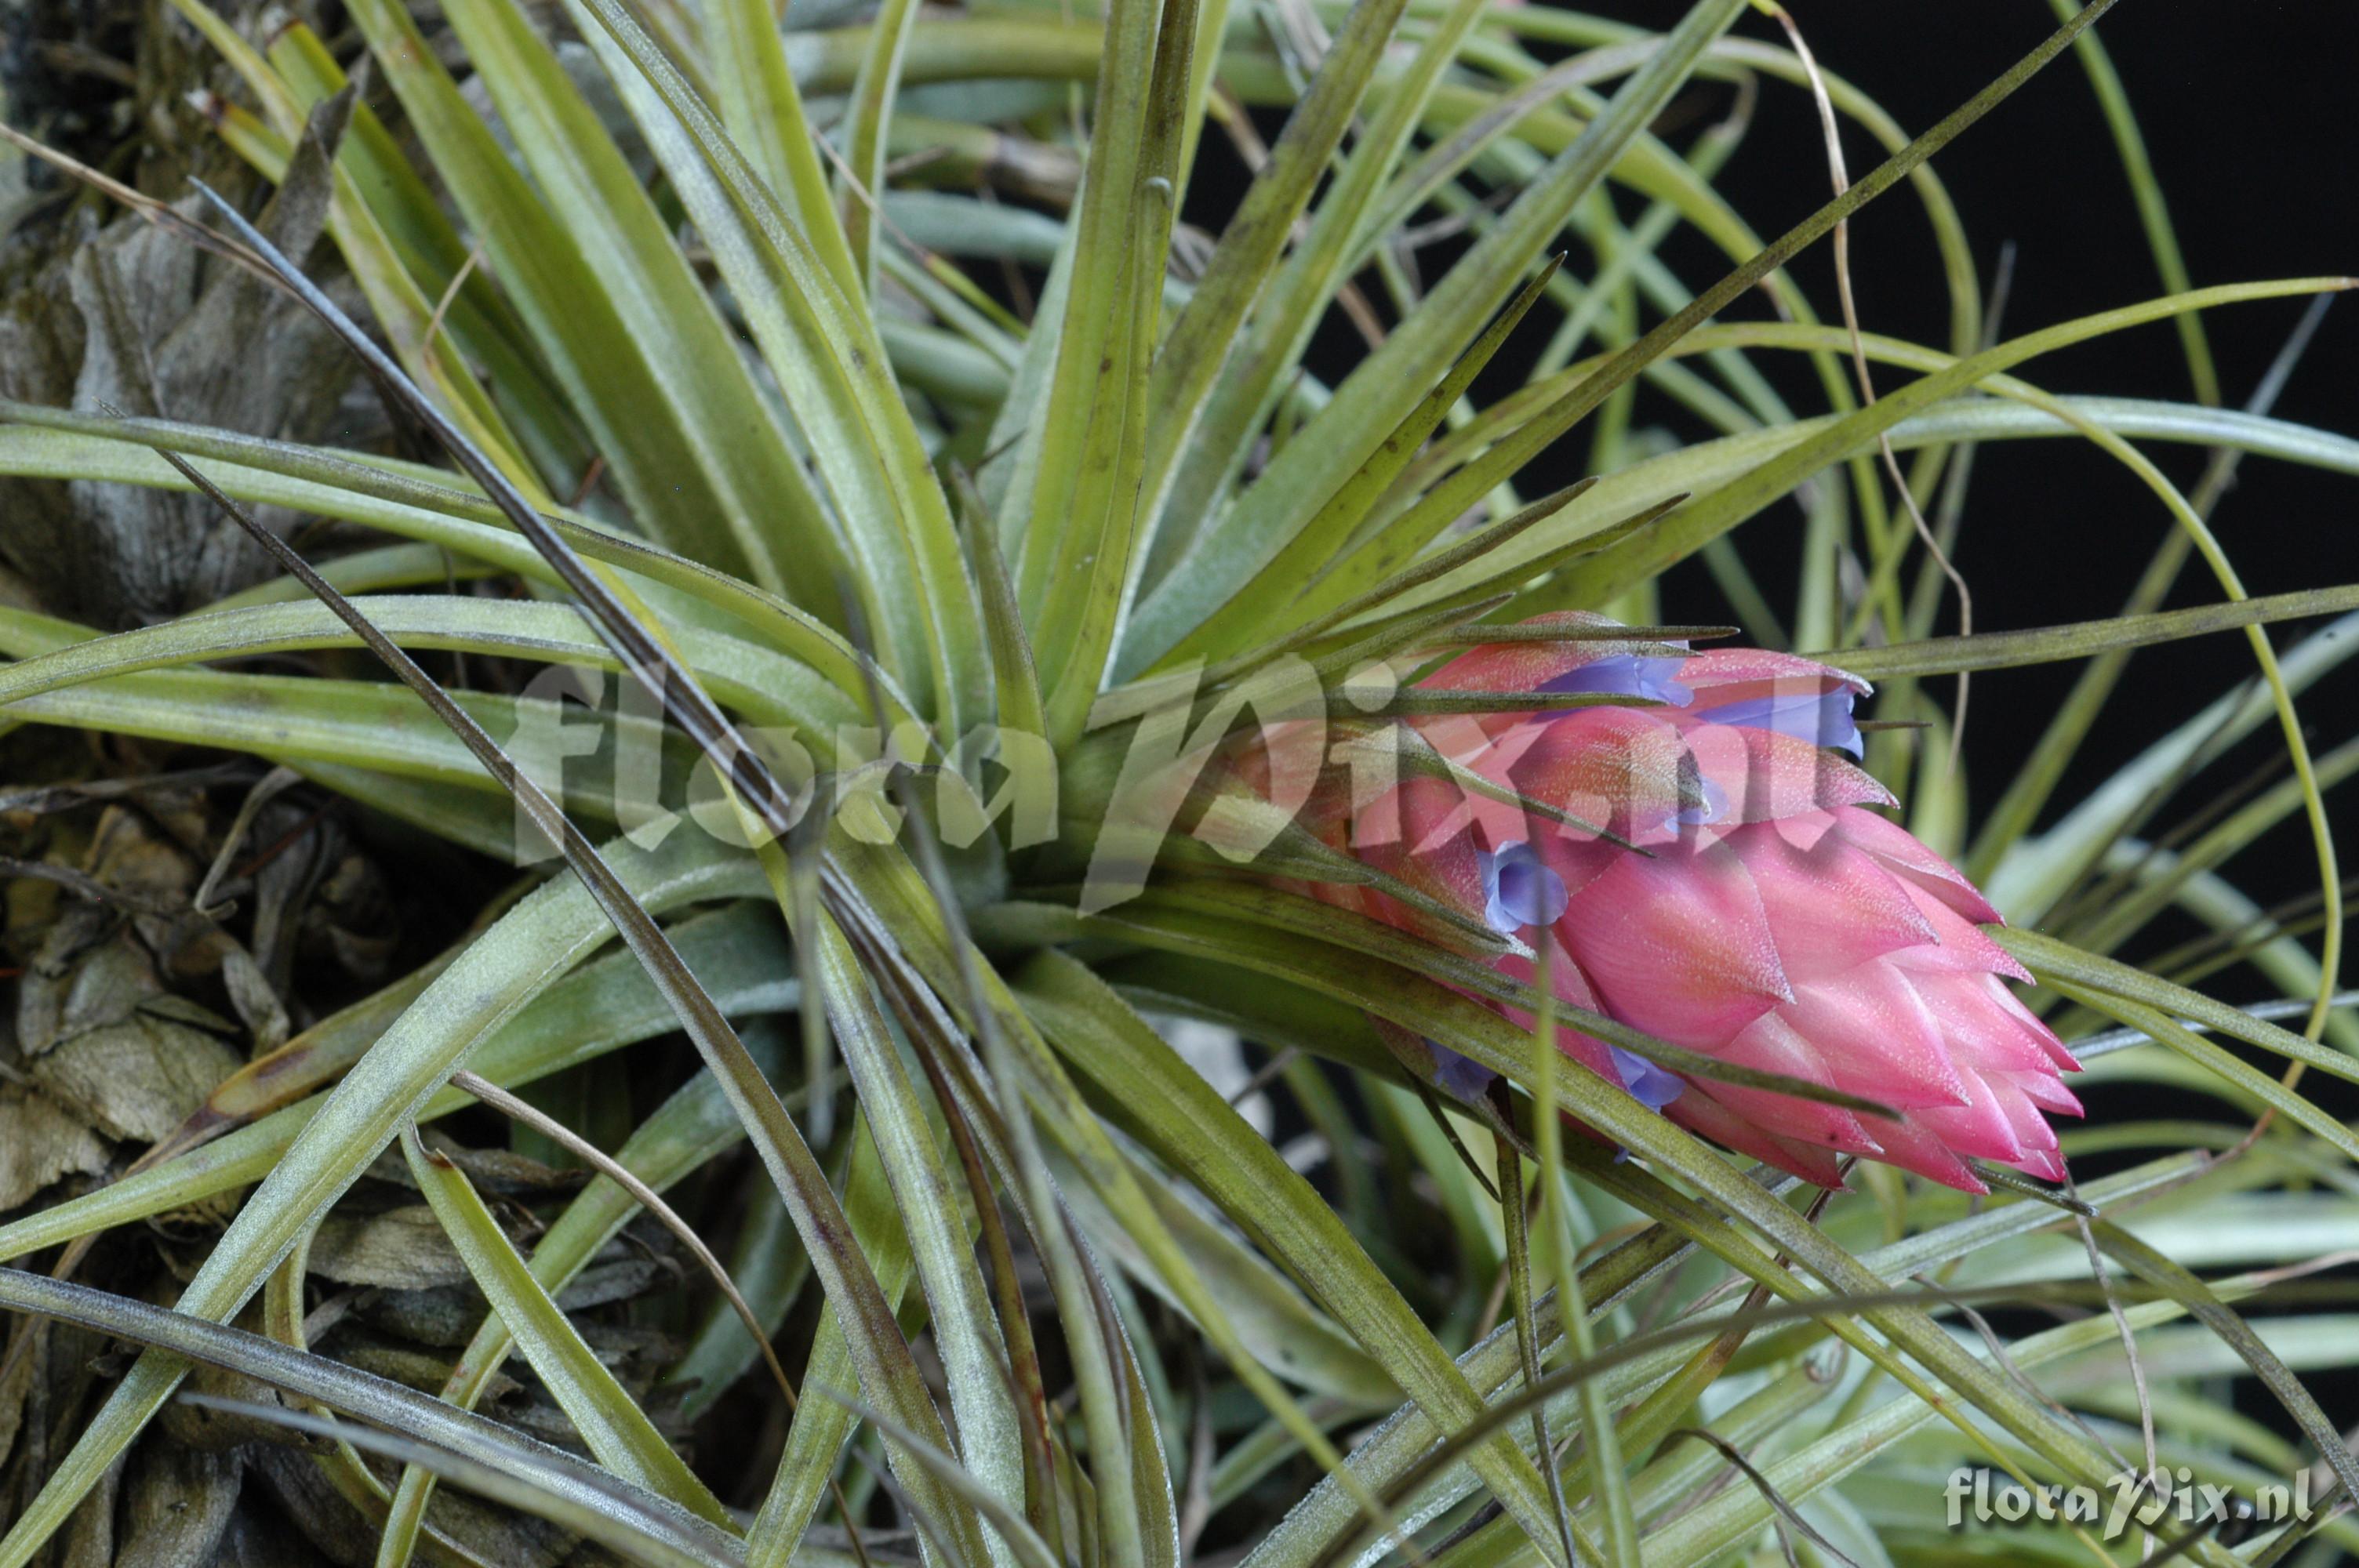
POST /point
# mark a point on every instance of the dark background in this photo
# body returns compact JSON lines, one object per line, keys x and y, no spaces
{"x":2246,"y":107}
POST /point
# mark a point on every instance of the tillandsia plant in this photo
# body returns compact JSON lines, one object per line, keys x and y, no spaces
{"x":839,"y":517}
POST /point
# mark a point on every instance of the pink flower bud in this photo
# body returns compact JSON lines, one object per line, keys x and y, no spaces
{"x":1729,"y":890}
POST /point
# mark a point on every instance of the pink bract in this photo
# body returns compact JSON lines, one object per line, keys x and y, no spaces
{"x":1774,"y":921}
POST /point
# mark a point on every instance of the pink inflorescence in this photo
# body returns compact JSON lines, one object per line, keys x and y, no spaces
{"x":1775,"y":922}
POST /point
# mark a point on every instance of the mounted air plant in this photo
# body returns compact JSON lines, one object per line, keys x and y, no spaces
{"x":832,"y":525}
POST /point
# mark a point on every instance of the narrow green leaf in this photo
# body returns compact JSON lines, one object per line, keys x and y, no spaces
{"x":1409,"y":576}
{"x":966,"y":1334}
{"x":481,"y":321}
{"x":1608,"y":1480}
{"x":609,"y":1420}
{"x":1252,"y":244}
{"x":1386,"y":385}
{"x":1074,"y":568}
{"x":870,"y":111}
{"x":690,"y":1128}
{"x":542,"y":1479}
{"x":2205,"y":1305}
{"x":746,"y":674}
{"x":1106,"y":1041}
{"x":1713,"y":514}
{"x":395,"y":299}
{"x":2154,"y":214}
{"x":407,"y":500}
{"x":1293,"y":1338}
{"x":1016,"y":678}
{"x":1708,"y":1533}
{"x":1255,"y":370}
{"x":644,"y":357}
{"x":754,"y":88}
{"x":2027,"y":881}
{"x":821,"y":344}
{"x":1133,"y":1516}
{"x":1024,"y":1542}
{"x":329,"y":729}
{"x":369,"y":571}
{"x":1275,"y":595}
{"x":2049,"y":644}
{"x":822,"y":1426}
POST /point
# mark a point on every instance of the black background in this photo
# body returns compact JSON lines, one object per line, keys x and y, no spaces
{"x":2246,"y":110}
{"x":2246,"y":107}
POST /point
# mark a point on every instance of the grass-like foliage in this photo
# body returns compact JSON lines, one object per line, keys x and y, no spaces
{"x":847,"y":520}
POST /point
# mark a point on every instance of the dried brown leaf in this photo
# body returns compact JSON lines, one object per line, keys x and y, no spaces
{"x":403,"y":1247}
{"x":40,"y":1141}
{"x":175,"y":1505}
{"x":138,"y":1079}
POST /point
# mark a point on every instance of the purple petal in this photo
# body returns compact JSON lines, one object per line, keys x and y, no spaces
{"x":1463,"y":1076}
{"x":1823,"y":718}
{"x":1518,"y":888}
{"x":1649,"y":1085}
{"x":1625,"y":674}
